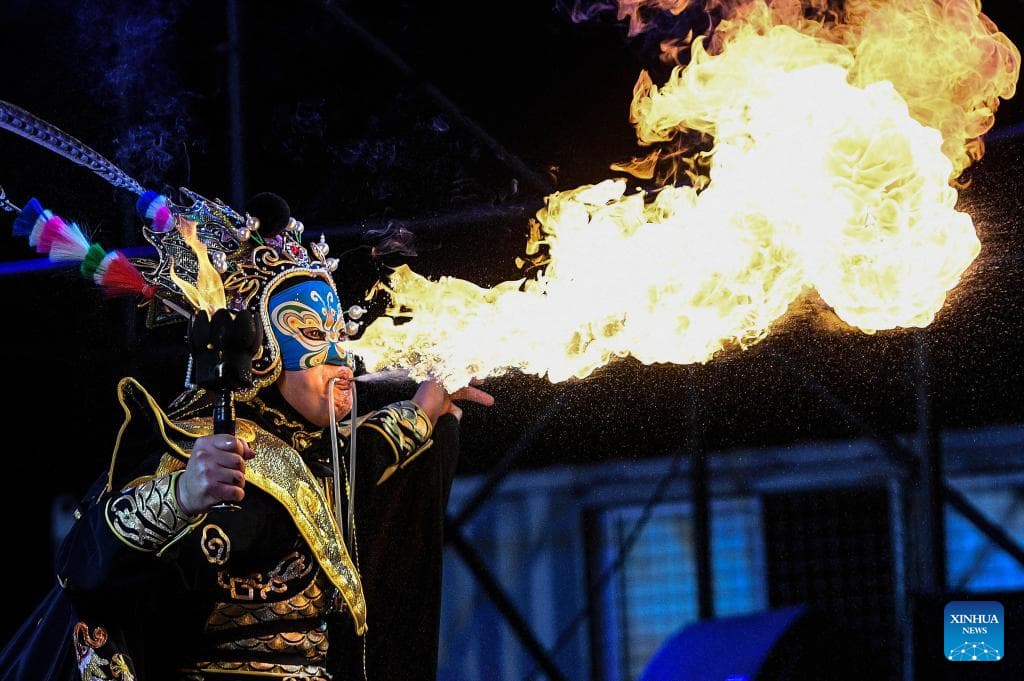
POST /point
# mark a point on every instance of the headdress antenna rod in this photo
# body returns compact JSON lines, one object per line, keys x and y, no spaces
{"x":34,"y":129}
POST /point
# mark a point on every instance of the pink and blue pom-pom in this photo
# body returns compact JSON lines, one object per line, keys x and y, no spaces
{"x":153,"y":207}
{"x":63,"y":242}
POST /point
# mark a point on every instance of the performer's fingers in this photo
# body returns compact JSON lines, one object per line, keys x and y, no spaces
{"x":473,"y":394}
{"x":224,"y":492}
{"x":230,"y":476}
{"x":247,"y":452}
{"x":455,"y":411}
{"x":213,"y":445}
{"x":233,"y":461}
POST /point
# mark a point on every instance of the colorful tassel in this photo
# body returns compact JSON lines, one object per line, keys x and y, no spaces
{"x":92,"y":261}
{"x":118,"y":277}
{"x":38,"y":227}
{"x":153,"y":207}
{"x":162,"y":219}
{"x":149,"y":201}
{"x":26,"y":220}
{"x":65,"y":242}
{"x":50,"y":232}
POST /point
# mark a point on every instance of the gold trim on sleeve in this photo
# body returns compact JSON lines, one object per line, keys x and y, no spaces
{"x":407,"y":428}
{"x":147,"y":517}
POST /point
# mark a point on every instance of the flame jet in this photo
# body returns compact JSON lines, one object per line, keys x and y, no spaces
{"x":830,"y":170}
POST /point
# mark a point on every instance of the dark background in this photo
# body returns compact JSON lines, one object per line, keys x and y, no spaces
{"x":355,"y":142}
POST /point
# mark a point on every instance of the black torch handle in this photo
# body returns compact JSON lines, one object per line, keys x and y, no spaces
{"x":224,"y":424}
{"x":224,"y":413}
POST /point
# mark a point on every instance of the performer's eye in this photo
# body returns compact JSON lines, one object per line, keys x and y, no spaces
{"x":313,"y":333}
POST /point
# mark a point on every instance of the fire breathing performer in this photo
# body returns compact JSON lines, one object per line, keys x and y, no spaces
{"x":258,"y":526}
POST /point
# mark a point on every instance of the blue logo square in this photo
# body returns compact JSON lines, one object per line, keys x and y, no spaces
{"x":973,"y":631}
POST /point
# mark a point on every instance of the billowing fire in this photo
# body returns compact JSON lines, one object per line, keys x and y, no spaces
{"x":207,"y":294}
{"x":834,"y":144}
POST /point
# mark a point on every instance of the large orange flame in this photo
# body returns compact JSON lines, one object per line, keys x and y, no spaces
{"x":833,"y":151}
{"x":947,"y":60}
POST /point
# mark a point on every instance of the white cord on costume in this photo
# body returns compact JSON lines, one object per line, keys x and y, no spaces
{"x":352,"y":468}
{"x":336,"y":461}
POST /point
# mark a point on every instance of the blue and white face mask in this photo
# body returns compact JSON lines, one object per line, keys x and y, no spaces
{"x":309,"y":326}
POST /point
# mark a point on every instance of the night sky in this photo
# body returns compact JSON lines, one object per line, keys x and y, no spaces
{"x":376,"y":116}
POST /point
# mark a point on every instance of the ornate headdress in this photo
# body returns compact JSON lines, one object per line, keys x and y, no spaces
{"x":254,"y":262}
{"x":209,"y":256}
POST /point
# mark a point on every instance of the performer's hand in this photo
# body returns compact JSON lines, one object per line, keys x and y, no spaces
{"x":436,"y":401}
{"x":468,"y":394}
{"x":215,"y":473}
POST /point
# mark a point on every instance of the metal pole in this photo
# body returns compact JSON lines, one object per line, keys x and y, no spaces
{"x":906,"y":459}
{"x":483,"y":215}
{"x":625,"y":545}
{"x":538,"y":180}
{"x":982,"y":553}
{"x":503,"y":603}
{"x":932,"y":497}
{"x":236,"y":182}
{"x":996,"y":534}
{"x":701,"y":510}
{"x":500,"y":472}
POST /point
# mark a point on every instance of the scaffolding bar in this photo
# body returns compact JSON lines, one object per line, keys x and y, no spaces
{"x":503,"y":603}
{"x":700,"y":479}
{"x":504,"y":467}
{"x":537,"y":180}
{"x":933,"y":536}
{"x":236,"y":181}
{"x":905,"y":458}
